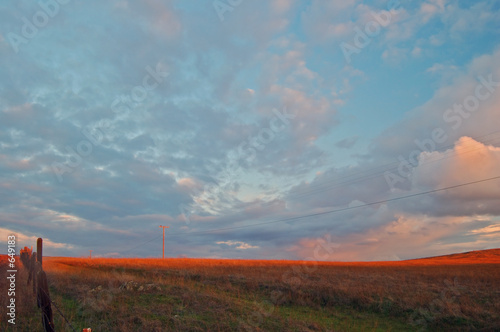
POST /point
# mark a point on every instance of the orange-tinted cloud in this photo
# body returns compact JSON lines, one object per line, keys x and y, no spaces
{"x":402,"y":238}
{"x":468,"y":161}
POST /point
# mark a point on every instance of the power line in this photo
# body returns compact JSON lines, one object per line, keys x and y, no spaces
{"x":384,"y":168}
{"x":372,"y":176}
{"x":141,"y":244}
{"x":330,"y":184}
{"x":339,"y":210}
{"x":325,"y":187}
{"x":319,"y":213}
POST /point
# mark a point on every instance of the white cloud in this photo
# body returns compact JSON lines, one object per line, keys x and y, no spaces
{"x":238,"y":244}
{"x":489,"y":230}
{"x":24,"y":240}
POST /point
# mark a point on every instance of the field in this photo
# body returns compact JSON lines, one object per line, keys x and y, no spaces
{"x":450,"y":293}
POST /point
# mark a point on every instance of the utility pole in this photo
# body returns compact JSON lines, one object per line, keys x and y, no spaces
{"x":164,"y":239}
{"x":90,"y":254}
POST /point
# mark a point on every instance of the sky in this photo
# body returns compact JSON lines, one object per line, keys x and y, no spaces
{"x":278,"y":129}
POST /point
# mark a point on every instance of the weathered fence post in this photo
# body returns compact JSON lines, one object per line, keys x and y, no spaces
{"x":42,"y":288}
{"x":43,"y":295}
{"x":31,"y":271}
{"x":33,"y":262}
{"x":39,"y":243}
{"x":38,"y":268}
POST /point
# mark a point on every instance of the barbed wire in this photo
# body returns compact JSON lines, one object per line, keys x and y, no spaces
{"x":58,"y":310}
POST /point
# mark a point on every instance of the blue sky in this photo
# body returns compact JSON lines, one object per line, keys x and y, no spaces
{"x":247,"y":125}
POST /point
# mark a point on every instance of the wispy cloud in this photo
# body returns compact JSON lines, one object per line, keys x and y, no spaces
{"x":238,"y":244}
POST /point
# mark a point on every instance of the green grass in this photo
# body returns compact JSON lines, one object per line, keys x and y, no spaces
{"x":229,"y":297}
{"x":341,"y":319}
{"x":196,"y":304}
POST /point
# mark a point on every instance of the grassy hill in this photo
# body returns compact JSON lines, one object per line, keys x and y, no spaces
{"x":470,"y":257}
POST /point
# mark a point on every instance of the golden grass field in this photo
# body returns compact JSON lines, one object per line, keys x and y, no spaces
{"x":450,"y":293}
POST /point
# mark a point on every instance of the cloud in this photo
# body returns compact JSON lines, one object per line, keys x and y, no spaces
{"x":23,"y":240}
{"x":431,"y":8}
{"x":490,"y":230}
{"x":468,"y":161}
{"x":324,"y":21}
{"x":282,"y":6}
{"x":438,"y":67}
{"x":419,"y":123}
{"x":239,"y":244}
{"x":460,"y":159}
{"x":347,"y":143}
{"x":172,"y":154}
{"x":402,"y":236}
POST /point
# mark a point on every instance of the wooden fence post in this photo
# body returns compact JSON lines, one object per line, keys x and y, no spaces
{"x":38,"y":268}
{"x":31,"y":271}
{"x":45,"y":305}
{"x":39,"y":243}
{"x":42,"y":287}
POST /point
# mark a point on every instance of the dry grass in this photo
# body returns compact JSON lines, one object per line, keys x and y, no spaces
{"x":458,"y":292}
{"x":25,"y":305}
